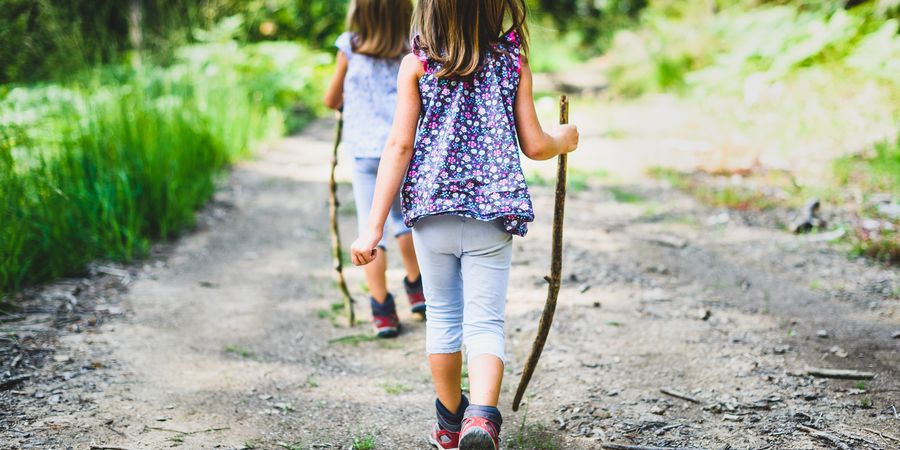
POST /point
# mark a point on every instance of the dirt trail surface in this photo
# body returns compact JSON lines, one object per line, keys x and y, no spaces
{"x":225,"y":339}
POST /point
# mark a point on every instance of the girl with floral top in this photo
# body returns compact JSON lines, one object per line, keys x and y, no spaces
{"x":464,"y":109}
{"x":364,"y":86}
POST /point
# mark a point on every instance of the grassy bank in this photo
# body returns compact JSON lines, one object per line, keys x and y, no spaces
{"x":861,"y":195}
{"x":101,"y":167}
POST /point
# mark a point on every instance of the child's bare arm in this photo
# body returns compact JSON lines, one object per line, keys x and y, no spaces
{"x":394,"y":160}
{"x":334,"y":96}
{"x":535,"y":143}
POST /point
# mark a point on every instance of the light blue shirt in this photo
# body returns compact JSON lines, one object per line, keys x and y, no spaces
{"x":370,"y":97}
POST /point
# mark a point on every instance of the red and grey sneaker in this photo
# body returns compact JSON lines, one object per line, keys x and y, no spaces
{"x":479,"y":433}
{"x":443,"y":439}
{"x":416,"y":295}
{"x":384,"y":318}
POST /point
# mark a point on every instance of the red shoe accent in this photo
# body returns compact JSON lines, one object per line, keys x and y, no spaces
{"x":386,"y":326}
{"x":415,"y":295}
{"x":443,"y":439}
{"x":479,"y":434}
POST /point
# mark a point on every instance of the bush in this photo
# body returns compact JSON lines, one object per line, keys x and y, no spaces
{"x":678,"y":49}
{"x":42,"y":40}
{"x":100,"y":169}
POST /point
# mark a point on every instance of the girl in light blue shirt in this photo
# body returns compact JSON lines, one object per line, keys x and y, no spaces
{"x":364,"y":87}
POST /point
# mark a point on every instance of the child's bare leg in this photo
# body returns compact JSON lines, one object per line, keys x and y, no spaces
{"x":485,"y":377}
{"x":376,"y":277}
{"x":408,"y":253}
{"x":446,"y":370}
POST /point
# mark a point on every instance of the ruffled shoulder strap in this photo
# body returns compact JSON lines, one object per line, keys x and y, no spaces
{"x":511,"y":43}
{"x":421,"y":54}
{"x":344,"y":43}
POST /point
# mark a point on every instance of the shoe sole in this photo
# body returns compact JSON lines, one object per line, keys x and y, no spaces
{"x":387,"y":333}
{"x":476,"y":440}
{"x":436,"y":444}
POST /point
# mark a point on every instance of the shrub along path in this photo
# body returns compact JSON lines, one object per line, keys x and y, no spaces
{"x":227,"y":337}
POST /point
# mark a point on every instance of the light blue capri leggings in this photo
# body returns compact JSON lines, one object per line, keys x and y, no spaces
{"x":365,"y":171}
{"x":465,"y":270}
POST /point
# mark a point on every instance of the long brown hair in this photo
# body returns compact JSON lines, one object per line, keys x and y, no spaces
{"x":381,"y":27}
{"x":455,"y":33}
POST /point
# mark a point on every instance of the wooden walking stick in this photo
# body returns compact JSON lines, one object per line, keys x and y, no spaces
{"x":333,"y":205}
{"x":555,"y":266}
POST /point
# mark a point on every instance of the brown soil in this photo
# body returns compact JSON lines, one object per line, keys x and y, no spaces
{"x":227,"y":339}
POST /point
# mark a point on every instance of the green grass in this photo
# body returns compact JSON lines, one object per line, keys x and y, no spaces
{"x":533,"y":437}
{"x":624,"y":196}
{"x":875,"y":171}
{"x":577,"y":180}
{"x":297,"y":445}
{"x":238,"y":350}
{"x":354,"y":339}
{"x":103,"y":167}
{"x":738,"y":198}
{"x":334,"y":312}
{"x":395,"y":388}
{"x":465,"y":384}
{"x":366,"y":441}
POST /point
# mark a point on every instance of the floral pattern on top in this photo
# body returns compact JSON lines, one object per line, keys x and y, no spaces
{"x":466,"y":156}
{"x":370,"y":98}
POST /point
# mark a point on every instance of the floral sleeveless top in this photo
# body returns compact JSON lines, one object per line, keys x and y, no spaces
{"x":466,"y":156}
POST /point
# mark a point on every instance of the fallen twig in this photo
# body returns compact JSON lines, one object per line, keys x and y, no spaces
{"x":834,"y":440}
{"x":840,"y":374}
{"x":12,"y":381}
{"x":679,"y":395}
{"x":187,"y":433}
{"x":882,"y":434}
{"x":105,"y":447}
{"x":115,"y":431}
{"x":663,"y":430}
{"x":641,"y":447}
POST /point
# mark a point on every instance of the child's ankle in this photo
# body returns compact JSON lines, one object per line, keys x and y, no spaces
{"x":451,"y":421}
{"x":490,"y":413}
{"x":383,"y":308}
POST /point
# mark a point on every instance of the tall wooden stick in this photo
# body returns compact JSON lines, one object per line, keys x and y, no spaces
{"x":555,"y":277}
{"x":333,"y":205}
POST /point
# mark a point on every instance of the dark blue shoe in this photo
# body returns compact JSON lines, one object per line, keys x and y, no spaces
{"x":416,"y":295}
{"x":384,"y":318}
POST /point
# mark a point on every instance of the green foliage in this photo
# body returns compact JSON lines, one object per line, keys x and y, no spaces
{"x":395,"y":388}
{"x":43,"y":40}
{"x":592,"y":21}
{"x":681,"y":45}
{"x":354,"y":339}
{"x":99,"y":169}
{"x":622,"y":195}
{"x":237,"y":350}
{"x":876,"y":171}
{"x":365,"y":442}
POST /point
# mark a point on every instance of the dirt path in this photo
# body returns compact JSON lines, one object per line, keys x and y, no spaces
{"x":226,"y":340}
